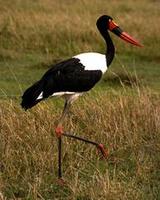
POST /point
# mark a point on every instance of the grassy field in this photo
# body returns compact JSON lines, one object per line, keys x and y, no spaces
{"x":122,"y":111}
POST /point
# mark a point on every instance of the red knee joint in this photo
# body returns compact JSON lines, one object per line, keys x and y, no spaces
{"x":59,"y":131}
{"x":61,"y":182}
{"x":104,"y":151}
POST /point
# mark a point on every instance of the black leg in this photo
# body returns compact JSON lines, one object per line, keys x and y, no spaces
{"x":79,"y":138}
{"x":59,"y":132}
{"x":64,"y":113}
{"x":60,"y":157}
{"x":100,"y":147}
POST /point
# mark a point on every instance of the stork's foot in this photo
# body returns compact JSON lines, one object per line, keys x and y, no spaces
{"x":103,"y":151}
{"x":59,"y":131}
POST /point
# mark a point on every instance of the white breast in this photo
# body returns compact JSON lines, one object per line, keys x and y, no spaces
{"x":93,"y":61}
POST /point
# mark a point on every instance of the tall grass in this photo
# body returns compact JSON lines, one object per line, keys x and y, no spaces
{"x":129,"y":127}
{"x":63,"y":28}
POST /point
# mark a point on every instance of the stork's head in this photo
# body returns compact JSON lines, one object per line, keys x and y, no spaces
{"x":106,"y":23}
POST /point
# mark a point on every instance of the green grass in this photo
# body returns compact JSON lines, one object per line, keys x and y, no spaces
{"x":122,"y":111}
{"x":124,"y":71}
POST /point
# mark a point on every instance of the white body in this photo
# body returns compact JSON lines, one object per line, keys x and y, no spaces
{"x":91,"y":61}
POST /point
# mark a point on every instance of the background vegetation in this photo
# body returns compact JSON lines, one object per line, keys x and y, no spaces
{"x":122,"y":112}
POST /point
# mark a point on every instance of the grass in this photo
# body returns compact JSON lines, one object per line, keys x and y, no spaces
{"x":29,"y":146}
{"x":122,"y":111}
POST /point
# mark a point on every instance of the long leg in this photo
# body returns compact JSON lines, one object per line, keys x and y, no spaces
{"x":59,"y":132}
{"x":100,"y":146}
{"x":60,"y":121}
{"x":64,"y":113}
{"x":59,"y":157}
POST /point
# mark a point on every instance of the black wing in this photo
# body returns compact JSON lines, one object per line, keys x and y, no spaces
{"x":69,"y":76}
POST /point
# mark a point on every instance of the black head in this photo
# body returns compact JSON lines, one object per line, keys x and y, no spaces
{"x":106,"y":22}
{"x":103,"y":22}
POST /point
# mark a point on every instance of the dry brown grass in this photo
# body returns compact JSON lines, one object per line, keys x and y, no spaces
{"x":62,"y":28}
{"x":129,"y":127}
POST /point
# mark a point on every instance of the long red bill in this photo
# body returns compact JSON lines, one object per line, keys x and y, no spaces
{"x":129,"y":39}
{"x":123,"y":35}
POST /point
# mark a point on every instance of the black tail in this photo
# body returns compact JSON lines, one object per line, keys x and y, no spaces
{"x":29,"y":98}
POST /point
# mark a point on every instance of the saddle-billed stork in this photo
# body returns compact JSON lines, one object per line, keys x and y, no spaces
{"x":72,"y":77}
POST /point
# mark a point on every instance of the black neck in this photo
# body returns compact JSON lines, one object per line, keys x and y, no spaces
{"x":110,"y":51}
